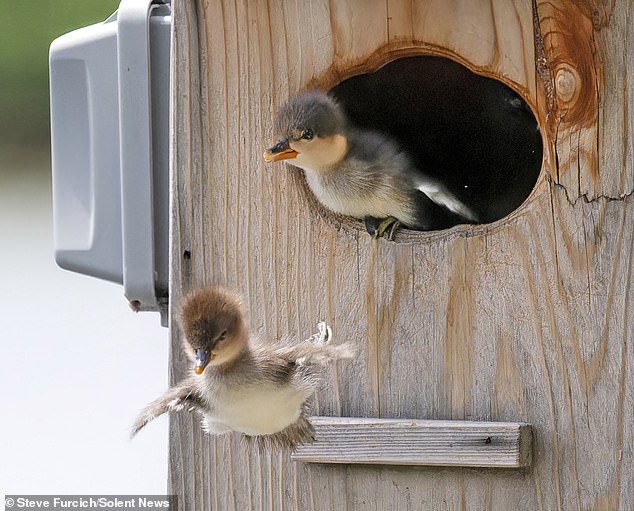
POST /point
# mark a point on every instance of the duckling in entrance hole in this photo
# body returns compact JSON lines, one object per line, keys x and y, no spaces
{"x":240,"y":383}
{"x":360,"y":173}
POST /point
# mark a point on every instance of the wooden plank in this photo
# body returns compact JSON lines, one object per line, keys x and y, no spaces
{"x":418,"y":442}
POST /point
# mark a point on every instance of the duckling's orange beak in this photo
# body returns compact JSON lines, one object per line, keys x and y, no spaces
{"x":280,"y":151}
{"x":202,"y":359}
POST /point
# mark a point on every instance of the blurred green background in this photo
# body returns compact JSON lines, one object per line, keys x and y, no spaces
{"x":27,"y":28}
{"x":53,"y":318}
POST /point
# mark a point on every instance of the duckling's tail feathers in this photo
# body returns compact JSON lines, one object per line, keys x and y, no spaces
{"x":175,"y":399}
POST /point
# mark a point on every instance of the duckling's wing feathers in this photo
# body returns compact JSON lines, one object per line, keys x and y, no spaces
{"x":317,"y":350}
{"x":179,"y":397}
{"x":309,"y":353}
{"x":384,"y":152}
{"x":443,"y":197}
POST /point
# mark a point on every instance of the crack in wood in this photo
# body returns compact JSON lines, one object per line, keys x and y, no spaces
{"x":588,"y":200}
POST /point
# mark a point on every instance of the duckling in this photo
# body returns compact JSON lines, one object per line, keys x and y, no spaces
{"x":360,"y":173}
{"x":241,"y":383}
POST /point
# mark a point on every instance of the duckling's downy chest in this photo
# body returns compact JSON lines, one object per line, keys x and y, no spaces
{"x":258,"y":409}
{"x":360,"y":194}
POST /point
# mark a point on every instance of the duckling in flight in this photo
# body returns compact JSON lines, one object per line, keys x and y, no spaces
{"x":241,"y":383}
{"x":360,"y":173}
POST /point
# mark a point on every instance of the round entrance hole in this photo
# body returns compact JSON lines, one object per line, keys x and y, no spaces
{"x":474,"y":134}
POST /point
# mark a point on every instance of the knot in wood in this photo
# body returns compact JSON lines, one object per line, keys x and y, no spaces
{"x":567,"y":84}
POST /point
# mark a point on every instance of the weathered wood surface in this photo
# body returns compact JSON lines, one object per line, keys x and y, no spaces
{"x":418,"y":442}
{"x":527,"y":319}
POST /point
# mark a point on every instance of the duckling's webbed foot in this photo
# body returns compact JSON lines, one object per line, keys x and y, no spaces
{"x":379,"y":227}
{"x":323,"y":335}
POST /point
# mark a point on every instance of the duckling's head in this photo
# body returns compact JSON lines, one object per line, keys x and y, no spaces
{"x":312,"y":131}
{"x":213,"y":325}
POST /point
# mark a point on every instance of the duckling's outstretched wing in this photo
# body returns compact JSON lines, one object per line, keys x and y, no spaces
{"x":317,"y":350}
{"x":181,"y":397}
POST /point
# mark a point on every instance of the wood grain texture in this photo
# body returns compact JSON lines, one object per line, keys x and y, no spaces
{"x":529,"y":319}
{"x":588,"y":50}
{"x":418,"y":442}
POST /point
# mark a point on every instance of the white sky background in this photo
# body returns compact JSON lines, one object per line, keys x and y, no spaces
{"x":76,"y":364}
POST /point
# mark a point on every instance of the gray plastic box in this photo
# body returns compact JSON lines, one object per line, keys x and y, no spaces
{"x":109,"y":86}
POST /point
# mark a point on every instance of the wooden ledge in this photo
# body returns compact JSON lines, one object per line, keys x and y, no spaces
{"x":418,"y":442}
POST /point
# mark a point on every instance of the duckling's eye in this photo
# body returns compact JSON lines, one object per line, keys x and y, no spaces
{"x":308,"y":134}
{"x":222,"y":335}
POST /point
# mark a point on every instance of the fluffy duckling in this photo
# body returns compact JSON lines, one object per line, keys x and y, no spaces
{"x":360,"y":173}
{"x":240,"y":383}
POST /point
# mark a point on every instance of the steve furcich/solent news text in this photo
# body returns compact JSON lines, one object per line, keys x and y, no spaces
{"x":101,"y":502}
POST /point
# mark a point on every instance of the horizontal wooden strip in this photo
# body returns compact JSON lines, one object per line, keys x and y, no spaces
{"x":418,"y":442}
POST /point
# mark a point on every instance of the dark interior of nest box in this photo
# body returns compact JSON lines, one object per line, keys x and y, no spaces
{"x":475,"y":134}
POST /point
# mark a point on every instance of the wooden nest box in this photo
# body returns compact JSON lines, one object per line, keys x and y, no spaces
{"x":524,"y":319}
